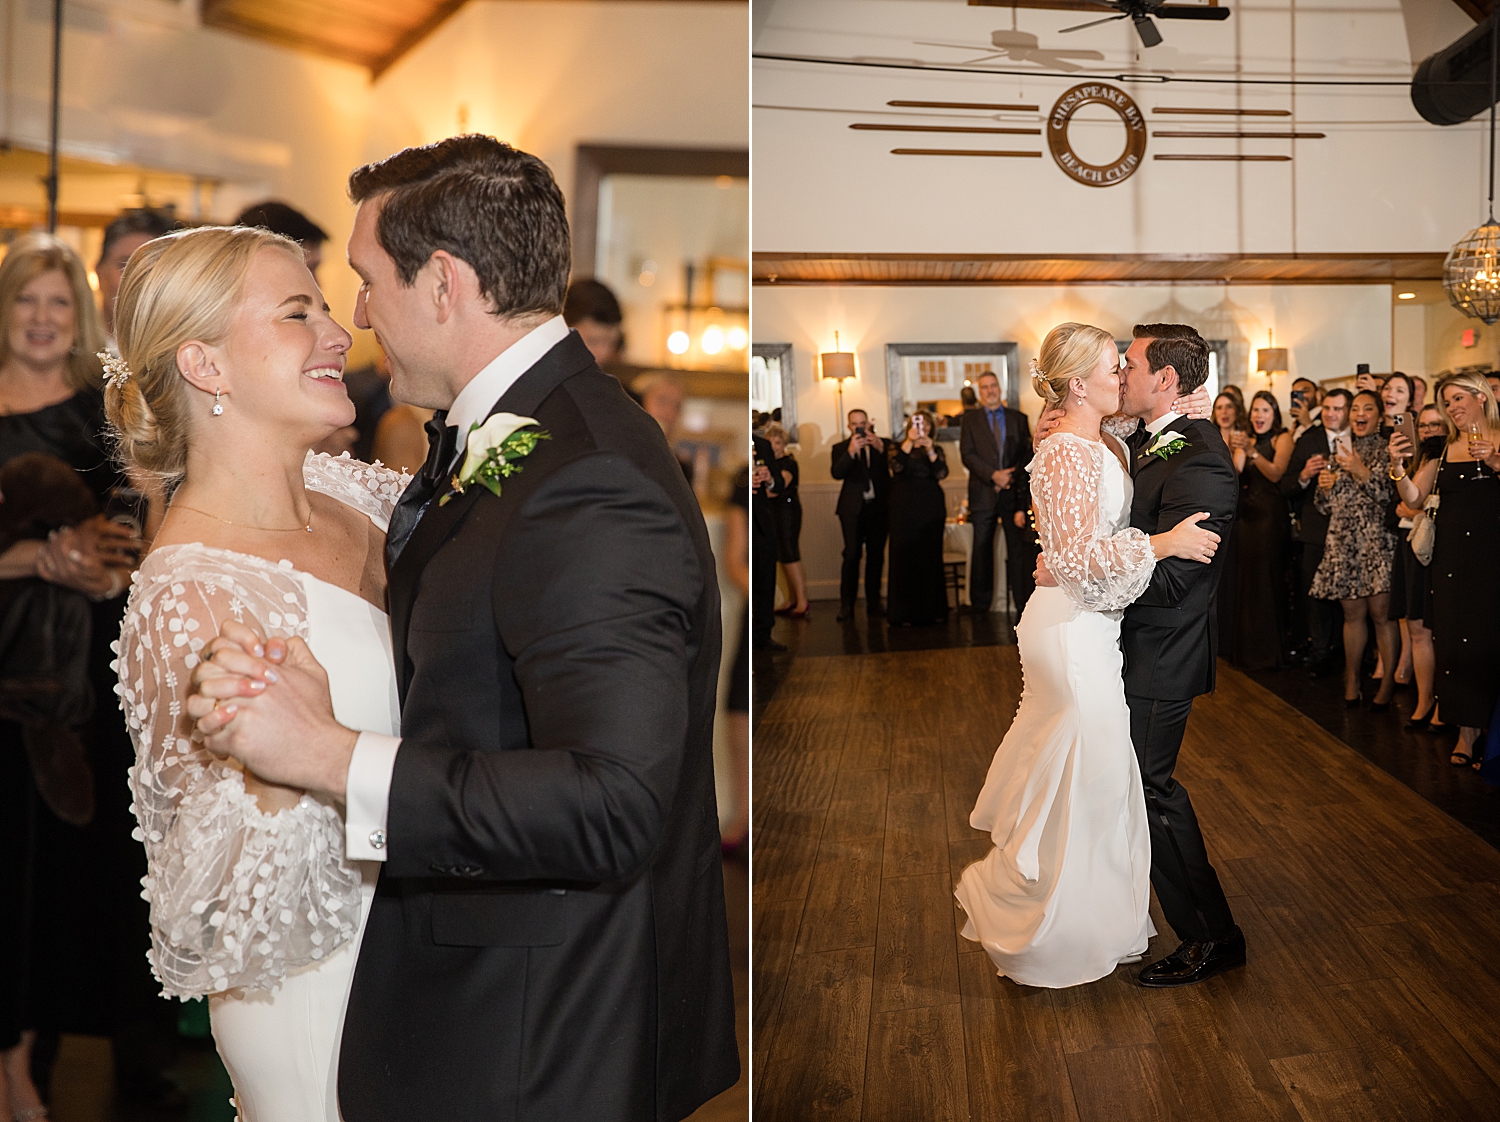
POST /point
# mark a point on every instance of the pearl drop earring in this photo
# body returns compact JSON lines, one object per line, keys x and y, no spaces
{"x":218,"y":409}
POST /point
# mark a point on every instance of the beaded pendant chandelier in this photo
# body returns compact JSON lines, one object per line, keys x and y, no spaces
{"x":1471,"y":271}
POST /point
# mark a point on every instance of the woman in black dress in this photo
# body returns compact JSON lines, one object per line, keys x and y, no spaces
{"x":1261,"y":534}
{"x":72,"y":950}
{"x":916,"y":592}
{"x":786,"y":522}
{"x":1465,"y":595}
{"x":1233,"y":425}
{"x":1411,"y":581}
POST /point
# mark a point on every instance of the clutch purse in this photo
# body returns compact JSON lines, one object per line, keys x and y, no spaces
{"x":1424,"y":530}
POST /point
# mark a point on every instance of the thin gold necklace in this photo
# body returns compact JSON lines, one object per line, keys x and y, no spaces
{"x":247,"y":525}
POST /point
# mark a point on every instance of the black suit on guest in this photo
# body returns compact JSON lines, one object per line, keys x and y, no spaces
{"x":864,"y":521}
{"x":548,"y":937}
{"x":1170,"y":641}
{"x":982,"y":457}
{"x":1315,"y":622}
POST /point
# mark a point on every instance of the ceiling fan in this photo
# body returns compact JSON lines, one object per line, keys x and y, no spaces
{"x":1139,"y":12}
{"x":1019,"y":46}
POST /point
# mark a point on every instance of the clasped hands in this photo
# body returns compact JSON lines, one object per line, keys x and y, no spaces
{"x":85,"y":557}
{"x":267,"y":704}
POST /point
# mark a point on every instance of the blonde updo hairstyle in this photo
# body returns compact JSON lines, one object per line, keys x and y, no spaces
{"x":180,"y":288}
{"x":28,"y":258}
{"x":1071,"y":350}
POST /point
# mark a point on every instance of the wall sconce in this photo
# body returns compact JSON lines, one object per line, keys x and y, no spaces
{"x":838,"y":365}
{"x":1271,"y":360}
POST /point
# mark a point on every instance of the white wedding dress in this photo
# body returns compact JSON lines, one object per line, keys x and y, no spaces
{"x":261,"y":913}
{"x":1064,"y":896}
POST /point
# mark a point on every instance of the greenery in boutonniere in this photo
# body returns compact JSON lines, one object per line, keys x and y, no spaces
{"x":1167,"y":444}
{"x":494,"y":450}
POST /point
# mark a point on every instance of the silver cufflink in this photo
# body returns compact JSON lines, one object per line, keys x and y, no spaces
{"x":377,"y":839}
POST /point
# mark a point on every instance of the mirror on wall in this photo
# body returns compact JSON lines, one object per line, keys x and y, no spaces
{"x":932,"y":376}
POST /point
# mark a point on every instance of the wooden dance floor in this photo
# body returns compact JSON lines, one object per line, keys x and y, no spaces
{"x":1373,"y":921}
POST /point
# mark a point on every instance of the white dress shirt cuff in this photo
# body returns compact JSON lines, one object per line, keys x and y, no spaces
{"x":368,"y":794}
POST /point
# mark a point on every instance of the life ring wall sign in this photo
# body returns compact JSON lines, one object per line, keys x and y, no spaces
{"x":1096,"y":175}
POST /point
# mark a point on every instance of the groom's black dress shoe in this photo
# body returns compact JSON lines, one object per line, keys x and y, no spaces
{"x":1196,"y":961}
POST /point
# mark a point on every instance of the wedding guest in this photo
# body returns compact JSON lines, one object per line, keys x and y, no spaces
{"x":1364,"y":381}
{"x":1356,"y":567}
{"x":1494,"y":380}
{"x":1261,"y":532}
{"x":765,"y":486}
{"x":1229,"y":417}
{"x":1305,"y":399}
{"x":662,"y":394}
{"x":1314,"y":621}
{"x":917,"y":592}
{"x":995,"y":446}
{"x":786,"y":522}
{"x":1411,"y":580}
{"x":735,"y":835}
{"x":1418,"y":393}
{"x":289,"y":222}
{"x":1465,"y":600}
{"x":84,"y":969}
{"x":1233,"y":423}
{"x":592,"y":310}
{"x":861,"y":463}
{"x":1397,"y":397}
{"x":122,"y":237}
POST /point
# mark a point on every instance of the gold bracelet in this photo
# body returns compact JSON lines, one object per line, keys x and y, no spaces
{"x":1396,"y":478}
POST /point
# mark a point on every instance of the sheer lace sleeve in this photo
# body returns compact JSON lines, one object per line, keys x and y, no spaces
{"x":1121,"y":427}
{"x":238,"y":897}
{"x":1098,"y":570}
{"x":372,"y":489}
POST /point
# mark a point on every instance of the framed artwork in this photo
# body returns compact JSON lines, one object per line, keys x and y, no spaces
{"x":934,"y":374}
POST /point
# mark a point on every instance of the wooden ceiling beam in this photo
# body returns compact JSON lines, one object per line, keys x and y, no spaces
{"x":1031,"y":269}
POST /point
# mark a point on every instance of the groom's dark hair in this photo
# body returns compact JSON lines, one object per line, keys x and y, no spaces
{"x":488,"y":204}
{"x":1178,"y":346}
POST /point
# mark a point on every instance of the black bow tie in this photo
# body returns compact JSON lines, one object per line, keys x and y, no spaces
{"x":442,"y":444}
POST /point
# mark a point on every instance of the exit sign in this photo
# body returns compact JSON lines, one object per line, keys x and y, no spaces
{"x":1470,"y":336}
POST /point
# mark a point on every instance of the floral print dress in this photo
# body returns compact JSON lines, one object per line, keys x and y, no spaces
{"x":1358,"y":551}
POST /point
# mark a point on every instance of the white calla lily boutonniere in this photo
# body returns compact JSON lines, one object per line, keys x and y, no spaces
{"x":494,"y":451}
{"x":1167,"y":443}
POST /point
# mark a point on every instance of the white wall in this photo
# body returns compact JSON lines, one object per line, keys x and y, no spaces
{"x":1382,"y":180}
{"x":1328,"y":330}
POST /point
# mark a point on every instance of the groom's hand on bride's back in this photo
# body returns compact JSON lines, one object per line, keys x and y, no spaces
{"x":267,"y":704}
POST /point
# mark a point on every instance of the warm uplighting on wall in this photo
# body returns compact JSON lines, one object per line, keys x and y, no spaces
{"x":837,"y":365}
{"x":1271,"y":360}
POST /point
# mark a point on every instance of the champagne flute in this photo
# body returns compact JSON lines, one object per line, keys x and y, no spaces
{"x":1474,"y":438}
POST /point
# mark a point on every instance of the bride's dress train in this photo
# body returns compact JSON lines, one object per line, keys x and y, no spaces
{"x":1064,"y":896}
{"x":262,"y":913}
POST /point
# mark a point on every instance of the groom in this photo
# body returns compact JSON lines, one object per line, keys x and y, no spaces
{"x":1170,"y":637}
{"x":548,"y":938}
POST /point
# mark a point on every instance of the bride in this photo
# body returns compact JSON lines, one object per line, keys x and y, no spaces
{"x":230,"y":371}
{"x":1064,"y":896}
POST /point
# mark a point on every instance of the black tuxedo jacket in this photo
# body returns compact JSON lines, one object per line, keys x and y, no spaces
{"x":852,"y":470}
{"x":548,"y":938}
{"x":976,"y":446}
{"x":1310,"y":525}
{"x":1170,"y":634}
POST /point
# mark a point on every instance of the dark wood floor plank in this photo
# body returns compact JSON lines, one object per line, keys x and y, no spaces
{"x":1108,"y":1013}
{"x":1215,"y":1056}
{"x":1393,"y":1023}
{"x":1013,"y":1048}
{"x":1125,"y":1085}
{"x":844,"y":899}
{"x":827,"y":1001}
{"x":915,"y":1067}
{"x":1372,"y":986}
{"x":917,"y":764}
{"x":774,"y":940}
{"x":856,"y":808}
{"x":916,"y":833}
{"x":1345,"y":1086}
{"x":916,"y":961}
